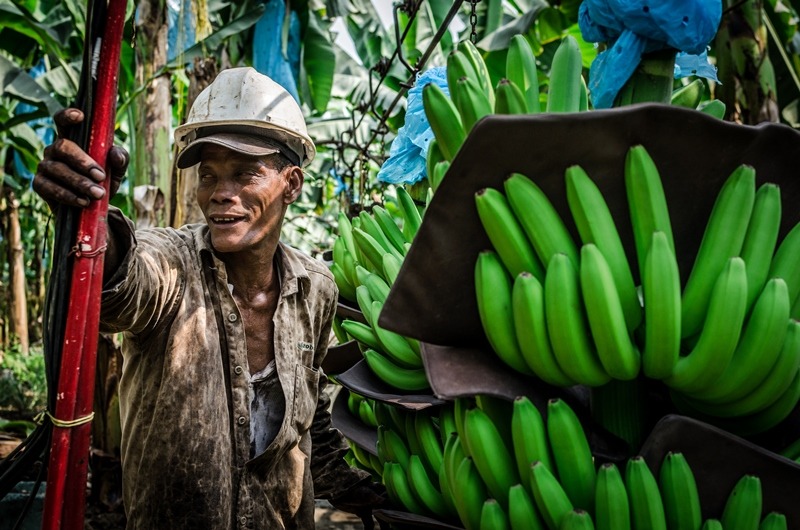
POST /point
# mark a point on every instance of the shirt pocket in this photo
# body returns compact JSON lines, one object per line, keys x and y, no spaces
{"x":306,"y":392}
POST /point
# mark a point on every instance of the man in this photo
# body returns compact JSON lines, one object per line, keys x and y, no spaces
{"x":225,"y":420}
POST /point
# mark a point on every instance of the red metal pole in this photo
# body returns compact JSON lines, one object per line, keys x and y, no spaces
{"x":65,"y":496}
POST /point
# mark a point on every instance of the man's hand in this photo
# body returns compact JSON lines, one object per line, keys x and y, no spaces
{"x":68,"y":175}
{"x":361,"y":499}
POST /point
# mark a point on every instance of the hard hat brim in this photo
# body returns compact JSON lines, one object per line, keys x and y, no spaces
{"x":241,"y":143}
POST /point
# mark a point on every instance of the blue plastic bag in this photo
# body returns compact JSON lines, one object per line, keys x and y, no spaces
{"x":634,"y":27}
{"x":409,"y":151}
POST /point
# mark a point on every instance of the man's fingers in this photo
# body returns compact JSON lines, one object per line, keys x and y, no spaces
{"x":66,"y":119}
{"x":77,"y":159}
{"x":57,"y":181}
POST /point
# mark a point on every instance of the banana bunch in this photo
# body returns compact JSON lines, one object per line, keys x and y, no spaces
{"x":362,"y":408}
{"x":473,"y":94}
{"x":367,"y":257}
{"x":410,"y":448}
{"x":727,"y":343}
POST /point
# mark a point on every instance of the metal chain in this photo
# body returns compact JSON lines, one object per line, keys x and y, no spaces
{"x":473,"y":20}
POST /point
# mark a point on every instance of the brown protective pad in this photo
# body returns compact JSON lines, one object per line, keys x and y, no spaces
{"x":433,"y":298}
{"x":341,"y":357}
{"x":361,"y":380}
{"x":407,"y":520}
{"x":347,"y":310}
{"x":351,"y":427}
{"x":461,"y":372}
{"x":719,"y":459}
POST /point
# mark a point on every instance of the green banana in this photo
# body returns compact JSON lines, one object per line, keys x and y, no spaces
{"x":646,"y":201}
{"x":364,"y":301}
{"x":472,"y":103}
{"x":529,"y":438}
{"x":769,"y":389}
{"x":453,"y":456}
{"x":377,"y":286}
{"x":391,"y":267}
{"x":424,"y":490}
{"x":618,"y":354}
{"x":430,"y":443}
{"x":370,"y":225}
{"x":346,"y":289}
{"x":611,"y":508}
{"x":390,"y":229}
{"x":372,"y":250}
{"x":583,"y":102}
{"x":500,"y":411}
{"x":773,"y":521}
{"x":353,"y":402}
{"x":395,"y":447}
{"x":446,"y":488}
{"x":461,"y":406}
{"x":577,"y":520}
{"x":528,"y":308}
{"x":539,"y":219}
{"x":564,"y":93}
{"x":506,"y":234}
{"x":522,"y":72}
{"x":433,"y":156}
{"x":509,"y":98}
{"x":771,"y":416}
{"x":444,"y":119}
{"x":784,"y":263}
{"x":715,"y":107}
{"x":439,"y":171}
{"x":362,"y":333}
{"x":399,"y":480}
{"x":470,"y":494}
{"x":366,"y":414}
{"x":458,"y":66}
{"x":346,"y":232}
{"x":743,"y":508}
{"x":493,"y":517}
{"x":758,"y":348}
{"x":475,"y":58}
{"x":490,"y":454}
{"x":551,"y":500}
{"x":396,"y":347}
{"x":679,"y":493}
{"x":661,"y":291}
{"x":647,"y":508}
{"x":447,"y":422}
{"x":411,"y":216}
{"x":522,"y":512}
{"x":566,"y":324}
{"x":349,"y":265}
{"x":689,"y":95}
{"x":712,"y":524}
{"x":408,"y":379}
{"x":710,"y":357}
{"x":596,"y":225}
{"x":722,"y":239}
{"x":761,"y":239}
{"x":493,"y":290}
{"x":571,"y":453}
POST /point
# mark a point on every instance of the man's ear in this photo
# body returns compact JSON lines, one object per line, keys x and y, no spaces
{"x":294,"y":184}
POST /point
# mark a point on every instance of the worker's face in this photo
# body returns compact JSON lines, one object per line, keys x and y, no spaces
{"x":244,"y":198}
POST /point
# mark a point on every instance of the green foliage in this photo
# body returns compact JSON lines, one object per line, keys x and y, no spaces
{"x":23,"y":387}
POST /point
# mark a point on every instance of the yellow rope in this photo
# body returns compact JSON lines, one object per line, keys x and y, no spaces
{"x":64,"y":424}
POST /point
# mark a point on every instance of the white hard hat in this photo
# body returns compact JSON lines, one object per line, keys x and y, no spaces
{"x":253,"y":112}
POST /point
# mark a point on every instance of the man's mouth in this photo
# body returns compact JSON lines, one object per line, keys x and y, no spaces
{"x":225,"y":219}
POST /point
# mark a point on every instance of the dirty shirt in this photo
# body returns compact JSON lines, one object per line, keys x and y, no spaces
{"x":189,"y":456}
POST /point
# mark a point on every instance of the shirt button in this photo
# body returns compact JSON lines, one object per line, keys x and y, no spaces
{"x":232,"y":317}
{"x":243,"y":520}
{"x":242,"y":420}
{"x":238,"y":370}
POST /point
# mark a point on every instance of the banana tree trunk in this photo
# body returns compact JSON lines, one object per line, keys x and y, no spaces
{"x":18,"y":306}
{"x":748,"y":86}
{"x":153,"y":156}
